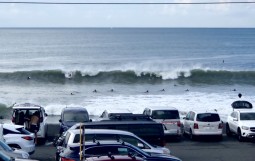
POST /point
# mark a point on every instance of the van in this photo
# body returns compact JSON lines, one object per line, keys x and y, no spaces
{"x":72,"y":115}
{"x":150,"y":131}
{"x":169,"y":117}
{"x":26,"y":110}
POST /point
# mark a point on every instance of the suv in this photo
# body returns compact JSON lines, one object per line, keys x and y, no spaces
{"x":241,"y":121}
{"x":169,"y":117}
{"x":26,"y":110}
{"x":203,"y":123}
{"x":72,"y":115}
{"x":111,"y":148}
{"x":17,"y":136}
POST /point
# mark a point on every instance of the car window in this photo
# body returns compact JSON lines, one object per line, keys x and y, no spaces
{"x":208,"y":117}
{"x":75,"y":116}
{"x":23,"y":131}
{"x":192,"y":116}
{"x":165,"y":114}
{"x":247,"y":116}
{"x":6,"y":131}
{"x":114,"y":150}
{"x":134,"y":141}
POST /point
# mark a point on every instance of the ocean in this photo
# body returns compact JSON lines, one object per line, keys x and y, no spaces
{"x":130,"y":68}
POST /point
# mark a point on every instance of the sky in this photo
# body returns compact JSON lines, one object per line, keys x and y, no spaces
{"x":34,"y":15}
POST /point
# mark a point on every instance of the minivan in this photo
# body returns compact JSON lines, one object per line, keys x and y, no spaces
{"x":169,"y":117}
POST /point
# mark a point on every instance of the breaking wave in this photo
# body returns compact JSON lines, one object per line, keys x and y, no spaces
{"x":132,"y":77}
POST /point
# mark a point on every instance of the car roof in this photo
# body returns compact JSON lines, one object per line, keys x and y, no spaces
{"x":245,"y":110}
{"x":74,"y":109}
{"x":162,"y":108}
{"x":204,"y":111}
{"x":101,"y":131}
{"x":26,"y":106}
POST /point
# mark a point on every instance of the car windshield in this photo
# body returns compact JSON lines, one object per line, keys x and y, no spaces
{"x":247,"y":116}
{"x":75,"y":116}
{"x":5,"y":146}
{"x":165,"y":114}
{"x":208,"y":117}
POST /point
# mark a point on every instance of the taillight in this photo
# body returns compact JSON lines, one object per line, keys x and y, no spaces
{"x":196,"y":126}
{"x":178,"y":123}
{"x":220,"y":126}
{"x":66,"y":159}
{"x":27,"y":137}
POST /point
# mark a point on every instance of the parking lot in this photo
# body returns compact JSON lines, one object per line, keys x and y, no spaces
{"x":204,"y":149}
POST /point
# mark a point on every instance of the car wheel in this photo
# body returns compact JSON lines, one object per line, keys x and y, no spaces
{"x":239,"y":135}
{"x":228,"y":132}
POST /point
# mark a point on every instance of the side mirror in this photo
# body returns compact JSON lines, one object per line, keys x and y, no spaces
{"x":60,"y":120}
{"x":46,"y":114}
{"x":90,"y":120}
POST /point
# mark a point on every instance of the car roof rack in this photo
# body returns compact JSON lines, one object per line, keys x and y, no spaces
{"x":241,"y":104}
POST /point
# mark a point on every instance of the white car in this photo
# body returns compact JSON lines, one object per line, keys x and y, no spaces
{"x":241,"y":121}
{"x":16,"y":136}
{"x":26,"y":110}
{"x":73,"y":136}
{"x":203,"y":123}
{"x":15,"y":153}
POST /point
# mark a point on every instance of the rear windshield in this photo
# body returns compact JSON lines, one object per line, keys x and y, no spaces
{"x":208,"y":117}
{"x":165,"y":114}
{"x":76,"y":116}
{"x":247,"y":116}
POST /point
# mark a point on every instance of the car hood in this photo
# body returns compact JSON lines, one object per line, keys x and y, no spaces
{"x":68,"y":123}
{"x":250,"y":123}
{"x":163,"y":156}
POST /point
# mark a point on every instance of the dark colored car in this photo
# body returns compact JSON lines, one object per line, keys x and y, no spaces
{"x":72,"y":115}
{"x":111,"y":148}
{"x":150,"y":131}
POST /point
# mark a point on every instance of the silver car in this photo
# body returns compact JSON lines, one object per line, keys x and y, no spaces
{"x":15,"y":153}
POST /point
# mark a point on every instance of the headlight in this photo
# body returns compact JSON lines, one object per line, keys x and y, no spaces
{"x":166,"y":151}
{"x":245,"y":128}
{"x":25,"y":155}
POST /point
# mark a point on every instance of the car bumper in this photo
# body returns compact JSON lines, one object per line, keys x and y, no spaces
{"x":30,"y":149}
{"x":197,"y":132}
{"x":173,"y":132}
{"x":248,"y":134}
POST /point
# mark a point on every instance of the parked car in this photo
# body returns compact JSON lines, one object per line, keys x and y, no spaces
{"x":241,"y":121}
{"x":102,"y":148}
{"x":12,"y":152}
{"x":73,"y":136}
{"x":169,"y":117}
{"x":150,"y":131}
{"x":108,"y":113}
{"x":22,"y":113}
{"x":114,"y":158}
{"x":72,"y":115}
{"x":16,"y":136}
{"x":4,"y":157}
{"x":199,"y":123}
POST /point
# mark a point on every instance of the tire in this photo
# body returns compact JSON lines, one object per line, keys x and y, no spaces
{"x":239,"y":136}
{"x":228,"y":132}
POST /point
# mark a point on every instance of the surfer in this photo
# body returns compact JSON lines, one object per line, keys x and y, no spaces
{"x":95,"y":91}
{"x":146,"y":91}
{"x":239,"y":95}
{"x":162,"y":90}
{"x":112,"y":90}
{"x":187,"y":90}
{"x":28,"y":77}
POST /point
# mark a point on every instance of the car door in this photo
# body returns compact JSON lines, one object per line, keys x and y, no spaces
{"x":186,"y":123}
{"x":233,"y":121}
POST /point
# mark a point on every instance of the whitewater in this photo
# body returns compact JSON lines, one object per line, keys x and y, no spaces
{"x":61,"y":67}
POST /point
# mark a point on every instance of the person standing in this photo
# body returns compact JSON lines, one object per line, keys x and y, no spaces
{"x":34,"y":124}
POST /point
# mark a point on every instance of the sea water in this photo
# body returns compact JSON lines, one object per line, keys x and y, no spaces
{"x":130,"y":68}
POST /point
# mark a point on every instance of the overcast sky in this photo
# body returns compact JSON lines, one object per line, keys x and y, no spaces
{"x":224,"y":15}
